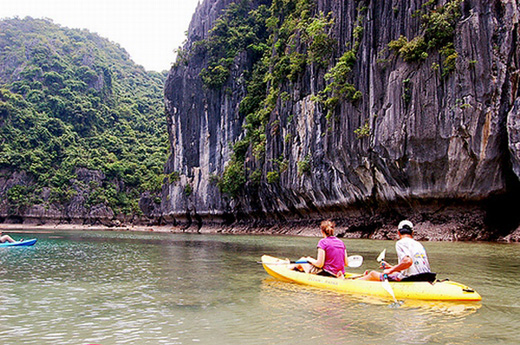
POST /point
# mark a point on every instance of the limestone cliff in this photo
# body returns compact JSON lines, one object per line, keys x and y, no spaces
{"x":412,"y":110}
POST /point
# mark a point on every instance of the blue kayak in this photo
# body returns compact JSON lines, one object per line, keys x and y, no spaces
{"x":20,"y":243}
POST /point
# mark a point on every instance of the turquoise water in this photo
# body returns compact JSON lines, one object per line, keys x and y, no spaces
{"x":158,"y":288}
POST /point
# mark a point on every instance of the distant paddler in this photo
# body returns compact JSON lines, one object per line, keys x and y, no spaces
{"x":6,"y":238}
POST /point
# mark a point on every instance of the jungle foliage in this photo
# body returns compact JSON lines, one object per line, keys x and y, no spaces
{"x":71,"y":99}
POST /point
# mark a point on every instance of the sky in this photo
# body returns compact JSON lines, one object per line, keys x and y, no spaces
{"x":149,"y":30}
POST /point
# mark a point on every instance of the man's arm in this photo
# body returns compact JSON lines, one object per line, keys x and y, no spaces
{"x":404,"y":264}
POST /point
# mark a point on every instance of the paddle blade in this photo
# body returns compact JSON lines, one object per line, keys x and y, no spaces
{"x":355,"y":261}
{"x":388,"y":288}
{"x":381,"y":256}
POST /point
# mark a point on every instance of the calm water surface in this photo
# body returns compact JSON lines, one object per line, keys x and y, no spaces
{"x":156,"y":288}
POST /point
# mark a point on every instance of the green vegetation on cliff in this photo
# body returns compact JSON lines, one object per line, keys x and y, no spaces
{"x":70,"y":99}
{"x":283,"y":40}
{"x":438,"y":23}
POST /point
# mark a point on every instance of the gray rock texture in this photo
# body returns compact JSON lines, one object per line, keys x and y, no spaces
{"x":513,"y":129}
{"x":74,"y":211}
{"x":443,"y":150}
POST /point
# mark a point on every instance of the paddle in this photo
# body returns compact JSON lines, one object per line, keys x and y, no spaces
{"x":386,"y":284}
{"x":353,"y":261}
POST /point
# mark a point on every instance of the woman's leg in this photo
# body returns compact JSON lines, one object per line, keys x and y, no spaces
{"x":307,"y":268}
{"x":373,"y":275}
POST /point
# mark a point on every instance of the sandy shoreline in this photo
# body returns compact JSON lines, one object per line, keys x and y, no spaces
{"x":63,"y":227}
{"x":425,"y":232}
{"x":305,"y":231}
{"x":206,"y":229}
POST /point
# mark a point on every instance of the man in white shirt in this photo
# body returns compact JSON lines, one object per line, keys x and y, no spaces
{"x":412,"y":264}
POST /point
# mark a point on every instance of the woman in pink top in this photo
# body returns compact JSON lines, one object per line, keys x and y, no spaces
{"x":332,"y":254}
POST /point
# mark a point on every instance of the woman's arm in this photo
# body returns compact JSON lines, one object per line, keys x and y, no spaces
{"x":320,"y":261}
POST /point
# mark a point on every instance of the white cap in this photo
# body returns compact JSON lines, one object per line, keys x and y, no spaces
{"x":403,"y":223}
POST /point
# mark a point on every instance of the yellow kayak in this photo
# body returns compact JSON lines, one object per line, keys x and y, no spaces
{"x":438,"y":291}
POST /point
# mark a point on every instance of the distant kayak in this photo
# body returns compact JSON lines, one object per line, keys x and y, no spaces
{"x":19,"y":243}
{"x":437,"y":291}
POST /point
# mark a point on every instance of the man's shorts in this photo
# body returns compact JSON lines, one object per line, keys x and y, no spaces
{"x":394,"y":277}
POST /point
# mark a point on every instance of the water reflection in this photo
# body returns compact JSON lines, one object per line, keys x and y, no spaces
{"x":357,"y":319}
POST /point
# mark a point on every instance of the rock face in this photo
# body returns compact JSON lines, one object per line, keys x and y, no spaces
{"x":438,"y":148}
{"x":513,"y":129}
{"x":76,"y":210}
